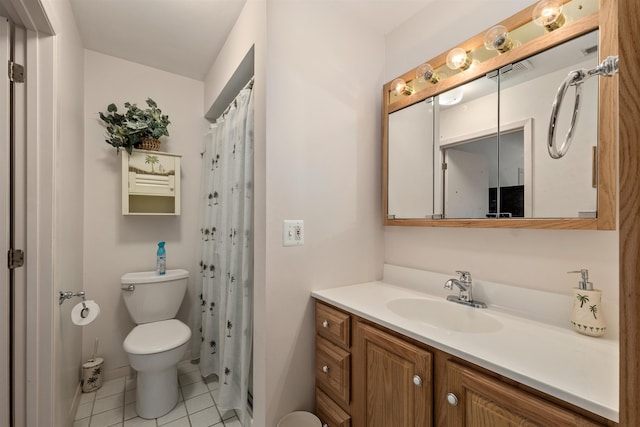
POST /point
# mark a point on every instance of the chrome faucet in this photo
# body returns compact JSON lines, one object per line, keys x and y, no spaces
{"x":465,"y":285}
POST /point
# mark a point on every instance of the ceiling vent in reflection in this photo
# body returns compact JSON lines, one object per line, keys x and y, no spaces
{"x":589,"y":50}
{"x":517,"y":68}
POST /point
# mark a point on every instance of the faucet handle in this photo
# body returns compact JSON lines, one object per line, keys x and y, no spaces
{"x":465,"y":276}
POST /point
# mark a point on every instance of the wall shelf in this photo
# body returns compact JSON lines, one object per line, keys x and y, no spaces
{"x":150,"y":183}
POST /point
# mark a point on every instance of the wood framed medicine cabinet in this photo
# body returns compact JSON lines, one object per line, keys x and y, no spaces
{"x":598,"y":17}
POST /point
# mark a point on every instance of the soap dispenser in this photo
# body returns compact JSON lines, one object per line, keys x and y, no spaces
{"x":587,"y":316}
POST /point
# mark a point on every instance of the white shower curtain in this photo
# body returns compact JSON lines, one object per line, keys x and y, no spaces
{"x":225,"y":318}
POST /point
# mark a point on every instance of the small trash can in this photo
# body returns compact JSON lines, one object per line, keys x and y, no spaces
{"x":300,"y":419}
{"x":92,"y":375}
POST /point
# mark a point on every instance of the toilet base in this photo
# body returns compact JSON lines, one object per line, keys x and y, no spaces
{"x":157,"y":392}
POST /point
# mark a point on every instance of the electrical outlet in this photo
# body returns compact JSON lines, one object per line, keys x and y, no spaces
{"x":293,"y":232}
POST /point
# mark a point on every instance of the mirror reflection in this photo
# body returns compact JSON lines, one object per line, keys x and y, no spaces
{"x":479,"y":150}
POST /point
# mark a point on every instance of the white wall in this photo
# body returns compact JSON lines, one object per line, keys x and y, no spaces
{"x":67,"y":181}
{"x":434,"y":30}
{"x":250,"y":30}
{"x":529,"y":258}
{"x":324,"y":74}
{"x":115,"y":244}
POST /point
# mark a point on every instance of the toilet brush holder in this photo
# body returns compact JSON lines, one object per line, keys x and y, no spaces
{"x":92,"y":375}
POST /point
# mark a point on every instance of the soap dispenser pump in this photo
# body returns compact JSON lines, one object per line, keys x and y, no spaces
{"x":587,"y":317}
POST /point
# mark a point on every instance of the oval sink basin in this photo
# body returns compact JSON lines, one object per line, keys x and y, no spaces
{"x":445,"y":314}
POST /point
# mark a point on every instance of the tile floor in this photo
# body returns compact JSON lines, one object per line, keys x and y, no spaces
{"x":114,"y":404}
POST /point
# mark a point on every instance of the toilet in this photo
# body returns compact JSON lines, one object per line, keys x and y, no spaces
{"x":158,"y":342}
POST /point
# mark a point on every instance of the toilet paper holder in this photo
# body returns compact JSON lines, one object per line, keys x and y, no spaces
{"x":65,"y":295}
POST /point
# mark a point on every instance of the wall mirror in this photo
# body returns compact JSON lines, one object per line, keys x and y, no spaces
{"x":472,"y":151}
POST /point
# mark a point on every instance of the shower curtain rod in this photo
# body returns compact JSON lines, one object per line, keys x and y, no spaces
{"x":249,"y":85}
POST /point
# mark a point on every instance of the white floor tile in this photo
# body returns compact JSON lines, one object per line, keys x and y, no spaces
{"x":107,"y":418}
{"x":189,"y":378}
{"x":206,"y":418}
{"x":178,"y":412}
{"x":186,"y":366}
{"x":216,"y":395}
{"x":129,"y":396}
{"x":81,"y":423}
{"x":212,"y":382}
{"x":109,"y":402}
{"x":199,"y":403}
{"x":114,"y":404}
{"x":140,"y":422}
{"x":84,"y":410}
{"x":233,"y":422}
{"x":87,"y":397}
{"x":111,"y":387}
{"x":131,"y":382}
{"x":130,"y":411}
{"x":193,"y":390}
{"x":227,"y":414}
{"x":182,"y":422}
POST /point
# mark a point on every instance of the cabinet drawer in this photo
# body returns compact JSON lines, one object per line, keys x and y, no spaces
{"x":330,"y":414}
{"x":333,"y":324}
{"x":333,"y":371}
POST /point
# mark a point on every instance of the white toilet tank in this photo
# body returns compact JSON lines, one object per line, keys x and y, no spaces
{"x":151,"y":297}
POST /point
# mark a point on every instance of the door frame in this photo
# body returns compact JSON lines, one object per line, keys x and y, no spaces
{"x":5,"y":205}
{"x":34,"y":330}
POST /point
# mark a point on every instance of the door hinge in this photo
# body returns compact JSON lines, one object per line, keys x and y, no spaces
{"x":444,"y":166}
{"x":16,"y":72}
{"x":16,"y":258}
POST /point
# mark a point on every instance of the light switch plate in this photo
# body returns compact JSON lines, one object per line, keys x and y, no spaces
{"x":293,"y":232}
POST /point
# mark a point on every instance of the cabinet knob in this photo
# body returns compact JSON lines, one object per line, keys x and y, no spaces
{"x":325,"y":323}
{"x":325,"y":368}
{"x":417,"y":380}
{"x":452,"y":399}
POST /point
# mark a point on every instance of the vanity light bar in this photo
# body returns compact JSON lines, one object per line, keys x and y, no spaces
{"x":549,"y":14}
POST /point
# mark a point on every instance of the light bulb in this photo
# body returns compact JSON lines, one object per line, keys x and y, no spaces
{"x":426,"y":73}
{"x":497,"y":38}
{"x":548,"y":14}
{"x":458,"y":58}
{"x":400,"y":87}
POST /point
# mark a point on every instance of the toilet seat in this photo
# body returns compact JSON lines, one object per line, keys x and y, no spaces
{"x":156,"y":337}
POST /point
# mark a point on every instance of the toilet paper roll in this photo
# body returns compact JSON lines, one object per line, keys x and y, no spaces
{"x":85,"y":314}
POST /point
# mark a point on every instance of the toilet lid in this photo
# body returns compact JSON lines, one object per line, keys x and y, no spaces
{"x":156,"y":337}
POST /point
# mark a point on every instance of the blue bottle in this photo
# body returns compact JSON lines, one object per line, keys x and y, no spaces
{"x":161,"y":263}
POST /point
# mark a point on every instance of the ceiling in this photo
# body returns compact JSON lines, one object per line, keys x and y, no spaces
{"x":185,"y":36}
{"x":179,"y":36}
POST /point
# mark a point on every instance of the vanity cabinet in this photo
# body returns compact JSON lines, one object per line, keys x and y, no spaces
{"x":376,"y":377}
{"x":477,"y":400}
{"x":150,"y":183}
{"x":333,"y":366}
{"x":392,"y":380}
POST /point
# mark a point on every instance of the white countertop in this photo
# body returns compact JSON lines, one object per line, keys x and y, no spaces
{"x":579,"y":369}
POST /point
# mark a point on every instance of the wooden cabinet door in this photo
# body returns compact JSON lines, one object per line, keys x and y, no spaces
{"x":477,"y":400}
{"x":392,"y":381}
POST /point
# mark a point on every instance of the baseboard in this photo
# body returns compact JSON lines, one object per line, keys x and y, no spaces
{"x":74,"y":404}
